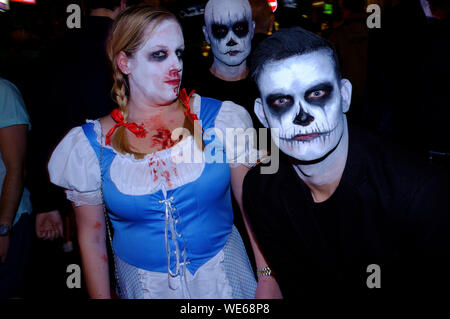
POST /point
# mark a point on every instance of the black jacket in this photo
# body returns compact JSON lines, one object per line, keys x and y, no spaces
{"x":388,"y":210}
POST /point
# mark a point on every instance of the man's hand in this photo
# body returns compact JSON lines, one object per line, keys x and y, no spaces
{"x":4,"y":246}
{"x":49,"y":225}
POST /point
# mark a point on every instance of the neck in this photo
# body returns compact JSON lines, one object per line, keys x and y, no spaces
{"x":323,"y":178}
{"x":139,"y":111}
{"x":227,"y":72}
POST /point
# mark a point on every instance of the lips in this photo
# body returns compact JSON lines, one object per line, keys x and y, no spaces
{"x":307,"y":137}
{"x":173,"y":82}
{"x":233,"y":53}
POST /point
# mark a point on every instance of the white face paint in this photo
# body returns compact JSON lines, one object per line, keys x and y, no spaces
{"x":155,"y":70}
{"x":229,"y":30}
{"x":301,"y":97}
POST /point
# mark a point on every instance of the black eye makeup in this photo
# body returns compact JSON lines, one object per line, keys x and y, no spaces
{"x":240,"y":28}
{"x":279,"y":103}
{"x":319,"y":94}
{"x":179,"y":53}
{"x":158,"y":56}
{"x":219,"y":31}
{"x":162,"y":54}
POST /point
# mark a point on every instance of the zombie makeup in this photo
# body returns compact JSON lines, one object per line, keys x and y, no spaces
{"x":301,"y":97}
{"x":229,"y":30}
{"x":156,"y":68}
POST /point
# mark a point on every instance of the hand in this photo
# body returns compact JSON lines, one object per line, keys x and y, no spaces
{"x":4,"y":246}
{"x":49,"y":225}
{"x":268,"y":288}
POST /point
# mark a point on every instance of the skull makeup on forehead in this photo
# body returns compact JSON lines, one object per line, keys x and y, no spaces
{"x":304,"y":99}
{"x":229,"y":30}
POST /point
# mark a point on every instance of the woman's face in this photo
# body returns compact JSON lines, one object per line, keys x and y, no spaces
{"x":155,"y":70}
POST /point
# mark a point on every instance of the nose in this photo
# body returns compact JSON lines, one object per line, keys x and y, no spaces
{"x":176,"y":64}
{"x":231,"y":42}
{"x":303,"y":118}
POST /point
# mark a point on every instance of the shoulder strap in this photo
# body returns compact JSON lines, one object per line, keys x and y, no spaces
{"x":208,"y":111}
{"x":88,"y":129}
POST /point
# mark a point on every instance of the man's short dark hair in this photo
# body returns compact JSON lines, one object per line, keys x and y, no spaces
{"x":107,"y":4}
{"x":286,"y":43}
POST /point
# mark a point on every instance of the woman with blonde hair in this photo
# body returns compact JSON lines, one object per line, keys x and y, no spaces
{"x":172,"y":221}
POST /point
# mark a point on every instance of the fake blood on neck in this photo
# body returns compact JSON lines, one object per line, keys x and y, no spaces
{"x":161,"y":137}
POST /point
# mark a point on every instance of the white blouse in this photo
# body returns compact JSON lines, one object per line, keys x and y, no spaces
{"x":74,"y":164}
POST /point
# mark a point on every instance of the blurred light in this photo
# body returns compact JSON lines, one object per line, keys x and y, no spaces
{"x":328,"y":8}
{"x":290,"y":4}
{"x":304,"y":16}
{"x":273,"y":4}
{"x":4,"y":5}
{"x":205,"y":48}
{"x":318,"y":3}
{"x":25,"y":1}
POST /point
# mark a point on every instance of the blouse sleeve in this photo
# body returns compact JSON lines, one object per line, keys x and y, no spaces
{"x":74,"y":166}
{"x":238,"y":135}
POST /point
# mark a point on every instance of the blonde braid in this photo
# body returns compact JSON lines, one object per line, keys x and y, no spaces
{"x":120,"y":94}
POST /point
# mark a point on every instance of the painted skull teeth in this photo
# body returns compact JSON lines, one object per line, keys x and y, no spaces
{"x":322,"y":132}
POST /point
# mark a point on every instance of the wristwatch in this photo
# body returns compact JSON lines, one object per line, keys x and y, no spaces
{"x":266,"y":271}
{"x":4,"y":229}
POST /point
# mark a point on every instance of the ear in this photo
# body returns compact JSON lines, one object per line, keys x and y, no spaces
{"x":205,"y":33}
{"x":259,"y":111}
{"x":346,"y":94}
{"x":123,"y":62}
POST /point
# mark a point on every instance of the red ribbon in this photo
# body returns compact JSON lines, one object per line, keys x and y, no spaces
{"x":136,"y":129}
{"x":184,"y":98}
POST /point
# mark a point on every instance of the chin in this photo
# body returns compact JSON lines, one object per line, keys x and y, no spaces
{"x":233,"y":61}
{"x":307,"y":151}
{"x":304,"y":154}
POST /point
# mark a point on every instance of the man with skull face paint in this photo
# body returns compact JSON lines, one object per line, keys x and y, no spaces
{"x":229,"y":30}
{"x":342,"y":199}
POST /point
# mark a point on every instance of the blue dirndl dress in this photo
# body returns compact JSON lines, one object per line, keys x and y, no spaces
{"x":178,"y":240}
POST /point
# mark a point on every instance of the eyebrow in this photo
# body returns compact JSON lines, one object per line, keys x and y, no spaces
{"x":230,"y":23}
{"x":157,"y":47}
{"x":321,"y":86}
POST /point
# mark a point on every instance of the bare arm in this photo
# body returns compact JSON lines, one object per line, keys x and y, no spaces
{"x":267,"y":285}
{"x":13,"y":144}
{"x":92,"y":240}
